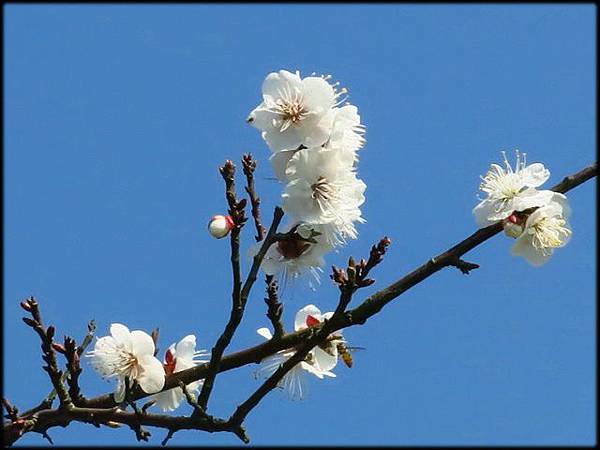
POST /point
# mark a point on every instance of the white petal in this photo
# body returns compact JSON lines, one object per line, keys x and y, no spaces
{"x":121,"y":334}
{"x":186,"y":348}
{"x":523,"y":247}
{"x":262,"y":118}
{"x":279,"y":82}
{"x":265,"y":332}
{"x":300,"y":321}
{"x":119,"y":394}
{"x":318,"y":94}
{"x":483,"y":211}
{"x":531,"y":198}
{"x":142,"y":343}
{"x":562,"y":200}
{"x":169,"y":400}
{"x":327,"y":316}
{"x":534,"y":175}
{"x":279,"y":141}
{"x":152,"y":376}
{"x":323,"y":360}
{"x":311,"y":369}
{"x":279,"y":161}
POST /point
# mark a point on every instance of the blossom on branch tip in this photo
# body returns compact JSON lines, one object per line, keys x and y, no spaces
{"x":545,"y":229}
{"x":127,"y":355}
{"x":511,"y":190}
{"x":177,"y":358}
{"x":219,"y":226}
{"x":295,"y":111}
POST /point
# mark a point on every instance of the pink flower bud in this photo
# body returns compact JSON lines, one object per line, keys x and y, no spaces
{"x":220,"y":226}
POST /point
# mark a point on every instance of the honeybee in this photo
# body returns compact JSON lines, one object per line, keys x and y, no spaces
{"x":345,"y":354}
{"x":344,"y":351}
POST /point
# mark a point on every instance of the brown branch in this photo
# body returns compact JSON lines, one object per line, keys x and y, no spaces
{"x":49,"y":399}
{"x":236,"y":211}
{"x":44,"y":420}
{"x":359,"y":315}
{"x":12,"y":412}
{"x":451,"y":257}
{"x":249,"y":165}
{"x":74,"y":370}
{"x":275,"y":307}
{"x":240,"y":293}
{"x":97,"y":411}
{"x":48,"y":350}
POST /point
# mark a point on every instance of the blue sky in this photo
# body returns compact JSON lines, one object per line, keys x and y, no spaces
{"x":117,"y":117}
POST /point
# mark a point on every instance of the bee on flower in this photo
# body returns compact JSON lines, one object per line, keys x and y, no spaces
{"x":319,"y":362}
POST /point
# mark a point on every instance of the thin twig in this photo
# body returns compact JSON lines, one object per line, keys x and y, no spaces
{"x":48,"y":350}
{"x":275,"y":307}
{"x":47,"y":418}
{"x":49,"y":399}
{"x":249,"y":166}
{"x":239,"y":303}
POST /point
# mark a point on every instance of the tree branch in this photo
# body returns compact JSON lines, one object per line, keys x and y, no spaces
{"x":102,"y":410}
{"x":249,"y":165}
{"x":275,"y":307}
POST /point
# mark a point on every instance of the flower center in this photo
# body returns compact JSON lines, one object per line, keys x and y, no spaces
{"x":125,"y":362}
{"x":292,"y":248}
{"x":504,"y":184}
{"x":290,"y":107}
{"x":549,"y":232}
{"x":322,"y":190}
{"x":500,"y":185}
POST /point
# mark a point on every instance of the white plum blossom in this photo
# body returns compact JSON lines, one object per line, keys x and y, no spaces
{"x":347,"y":134}
{"x":128,"y":355}
{"x":294,"y":257}
{"x":324,"y":357}
{"x":295,"y":111}
{"x":314,"y":143}
{"x":545,"y":229}
{"x":323,"y":189}
{"x":318,"y":362}
{"x":177,"y":358}
{"x":511,"y":190}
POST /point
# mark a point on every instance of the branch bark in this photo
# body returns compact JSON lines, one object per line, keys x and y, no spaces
{"x":103,"y":409}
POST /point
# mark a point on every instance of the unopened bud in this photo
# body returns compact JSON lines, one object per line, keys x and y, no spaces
{"x":25,"y":305}
{"x":59,"y":348}
{"x":220,"y":226}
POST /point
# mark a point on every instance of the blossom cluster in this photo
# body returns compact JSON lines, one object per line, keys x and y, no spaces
{"x":314,"y":141}
{"x":537,"y":219}
{"x":129,"y":357}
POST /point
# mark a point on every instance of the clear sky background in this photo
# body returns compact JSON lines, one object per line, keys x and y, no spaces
{"x":117,"y":117}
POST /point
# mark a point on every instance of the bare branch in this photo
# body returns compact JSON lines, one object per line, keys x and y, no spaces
{"x":101,"y":410}
{"x":249,"y":165}
{"x":48,"y":350}
{"x":275,"y":307}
